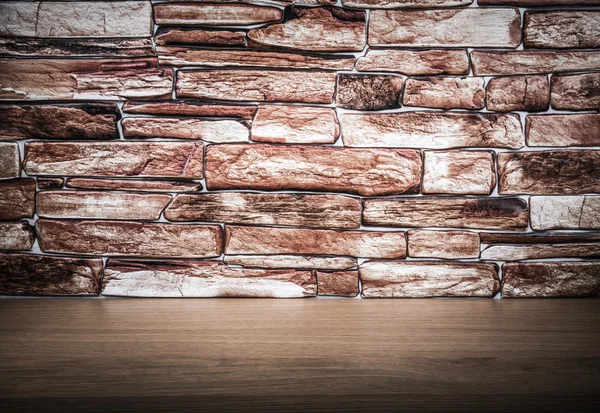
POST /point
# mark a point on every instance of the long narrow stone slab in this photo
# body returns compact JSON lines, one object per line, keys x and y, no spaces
{"x":90,"y":79}
{"x":576,"y":92}
{"x":563,"y":130}
{"x":273,"y":167}
{"x":534,"y":252}
{"x":459,"y":172}
{"x":191,"y":108}
{"x":524,"y":62}
{"x":291,"y":261}
{"x":127,"y":238}
{"x":270,"y":240}
{"x":565,"y":212}
{"x":199,"y":37}
{"x":180,"y":57}
{"x":443,"y":244}
{"x":562,"y":29}
{"x":537,"y":3}
{"x":257,"y":85}
{"x":17,"y":198}
{"x":100,"y":205}
{"x":533,"y":238}
{"x":445,"y":92}
{"x":482,"y":213}
{"x":401,"y":4}
{"x":415,"y":62}
{"x":16,"y":236}
{"x":327,"y":211}
{"x":456,"y":28}
{"x":551,"y":279}
{"x":81,"y":121}
{"x":202,"y":279}
{"x":76,"y":19}
{"x":30,"y":47}
{"x":207,"y":130}
{"x":338,"y":283}
{"x":560,"y":172}
{"x":26,"y":274}
{"x":432,"y":130}
{"x":214,"y":14}
{"x":295,"y":124}
{"x":412,"y":279}
{"x":147,"y":159}
{"x":140,"y":185}
{"x":10,"y":160}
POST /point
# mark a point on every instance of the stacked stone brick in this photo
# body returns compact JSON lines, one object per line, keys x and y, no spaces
{"x":299,"y":148}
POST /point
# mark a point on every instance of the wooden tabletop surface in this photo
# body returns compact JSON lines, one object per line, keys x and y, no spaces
{"x":299,"y":355}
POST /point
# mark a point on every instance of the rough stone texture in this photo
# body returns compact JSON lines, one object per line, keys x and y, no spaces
{"x":65,"y":79}
{"x":339,"y":283}
{"x":215,"y":14}
{"x":551,"y":279}
{"x":562,"y":29}
{"x":459,"y":172}
{"x":257,"y":85}
{"x":432,"y":130}
{"x":269,"y":240}
{"x":533,"y":252}
{"x":576,"y":92}
{"x":10,"y":160}
{"x":133,"y":185}
{"x":126,"y":238}
{"x":76,"y":19}
{"x":203,"y":279}
{"x":208,"y":130}
{"x":443,"y":244}
{"x":368,"y":92}
{"x":26,"y":47}
{"x":523,"y":93}
{"x":563,"y":130}
{"x":482,"y":213}
{"x":81,"y":121}
{"x":428,"y":279}
{"x":102,"y":205}
{"x":179,"y":56}
{"x":367,"y":172}
{"x":535,"y":3}
{"x":148,"y":159}
{"x":456,"y":28}
{"x":549,"y":172}
{"x":291,"y":261}
{"x":321,"y":29}
{"x":17,"y":198}
{"x":399,"y":4}
{"x":529,"y":238}
{"x":16,"y":236}
{"x":49,"y":183}
{"x":565,"y":212}
{"x":446,"y":92}
{"x":524,"y":62}
{"x":25,"y":274}
{"x":200,"y":37}
{"x":416,"y":62}
{"x":327,"y":211}
{"x":295,"y":124}
{"x":188,"y":108}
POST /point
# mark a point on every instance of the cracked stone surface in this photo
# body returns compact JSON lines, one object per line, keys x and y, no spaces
{"x":445,"y":92}
{"x":127,"y":238}
{"x":368,"y":92}
{"x":270,"y":240}
{"x":338,"y":283}
{"x":383,"y":279}
{"x":16,"y":236}
{"x":524,"y":62}
{"x":563,"y":130}
{"x":365,"y":172}
{"x":562,"y":29}
{"x":102,"y":205}
{"x":443,"y":244}
{"x":25,"y":274}
{"x":551,"y":279}
{"x":459,"y":172}
{"x":415,"y":62}
{"x":291,"y":261}
{"x":208,"y":130}
{"x":319,"y":29}
{"x":565,"y":212}
{"x":148,"y":159}
{"x":432,"y":130}
{"x":518,"y":93}
{"x":199,"y":14}
{"x":203,"y":279}
{"x":17,"y":198}
{"x":482,"y":213}
{"x":576,"y":92}
{"x":335,"y":211}
{"x":139,"y":185}
{"x":560,"y":172}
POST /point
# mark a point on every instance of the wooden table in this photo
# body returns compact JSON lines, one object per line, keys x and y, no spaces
{"x":297,"y":355}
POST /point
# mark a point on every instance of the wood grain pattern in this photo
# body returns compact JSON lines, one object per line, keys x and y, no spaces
{"x":299,"y":355}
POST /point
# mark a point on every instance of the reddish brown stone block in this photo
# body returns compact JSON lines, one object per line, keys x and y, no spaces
{"x":523,"y":93}
{"x":368,"y":92}
{"x":443,"y":244}
{"x":28,"y":47}
{"x":534,"y":252}
{"x":17,"y":199}
{"x":400,"y":4}
{"x":207,"y":130}
{"x":291,"y":261}
{"x":49,"y":183}
{"x":133,"y":185}
{"x":562,"y":29}
{"x":445,"y":92}
{"x":563,"y":130}
{"x":10,"y":160}
{"x":415,"y":62}
{"x":532,"y":238}
{"x":200,"y":37}
{"x":187,"y":108}
{"x":16,"y":236}
{"x":576,"y":92}
{"x":210,"y":14}
{"x":339,"y":283}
